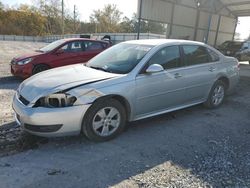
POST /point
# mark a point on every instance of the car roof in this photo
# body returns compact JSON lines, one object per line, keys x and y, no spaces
{"x":157,"y":42}
{"x":82,"y":39}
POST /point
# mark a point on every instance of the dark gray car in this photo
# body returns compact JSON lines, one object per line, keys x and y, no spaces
{"x":244,"y":53}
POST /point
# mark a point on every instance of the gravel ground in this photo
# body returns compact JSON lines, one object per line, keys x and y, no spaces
{"x":10,"y":49}
{"x":8,"y":84}
{"x":194,"y":147}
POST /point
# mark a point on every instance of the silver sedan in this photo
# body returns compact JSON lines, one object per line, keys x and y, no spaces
{"x":129,"y":81}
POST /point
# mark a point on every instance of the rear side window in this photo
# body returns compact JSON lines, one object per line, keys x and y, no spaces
{"x":213,"y":55}
{"x":168,"y":57}
{"x":195,"y":55}
{"x":105,"y":45}
{"x":92,"y":46}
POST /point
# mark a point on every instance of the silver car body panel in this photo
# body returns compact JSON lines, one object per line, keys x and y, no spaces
{"x":146,"y":94}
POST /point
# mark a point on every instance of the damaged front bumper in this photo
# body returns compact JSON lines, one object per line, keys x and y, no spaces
{"x":49,"y":122}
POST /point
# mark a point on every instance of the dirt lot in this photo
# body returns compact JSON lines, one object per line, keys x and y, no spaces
{"x":194,"y":147}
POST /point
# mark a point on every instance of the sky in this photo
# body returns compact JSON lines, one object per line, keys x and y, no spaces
{"x":243,"y":27}
{"x":128,"y":7}
{"x":86,"y":7}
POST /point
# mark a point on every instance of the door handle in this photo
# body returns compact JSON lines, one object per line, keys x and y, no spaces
{"x":177,"y":75}
{"x":211,"y":69}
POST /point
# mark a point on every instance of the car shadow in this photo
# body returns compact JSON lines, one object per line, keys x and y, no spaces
{"x":9,"y":82}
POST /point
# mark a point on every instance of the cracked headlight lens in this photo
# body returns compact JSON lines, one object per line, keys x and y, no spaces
{"x":57,"y":100}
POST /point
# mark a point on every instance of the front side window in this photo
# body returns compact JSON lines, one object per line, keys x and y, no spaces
{"x":168,"y":57}
{"x":195,"y":55}
{"x":245,"y":45}
{"x":76,"y":46}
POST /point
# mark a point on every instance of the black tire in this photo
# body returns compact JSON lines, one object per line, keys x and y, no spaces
{"x":210,"y":103}
{"x":39,"y":68}
{"x":88,"y":121}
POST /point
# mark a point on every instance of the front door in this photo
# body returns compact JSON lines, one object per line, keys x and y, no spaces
{"x":163,"y":90}
{"x":68,"y":54}
{"x":245,"y":53}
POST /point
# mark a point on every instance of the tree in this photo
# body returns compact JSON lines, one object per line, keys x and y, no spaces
{"x":106,"y":20}
{"x":237,"y":36}
{"x":44,"y":18}
{"x":128,"y":25}
{"x":51,"y":10}
{"x":1,"y":6}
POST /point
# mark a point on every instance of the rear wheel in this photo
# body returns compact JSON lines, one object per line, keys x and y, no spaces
{"x":39,"y":68}
{"x":216,"y":95}
{"x":104,"y":120}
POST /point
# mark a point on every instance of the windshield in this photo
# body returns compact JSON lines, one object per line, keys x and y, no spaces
{"x":231,"y":44}
{"x":52,"y":45}
{"x":120,"y":59}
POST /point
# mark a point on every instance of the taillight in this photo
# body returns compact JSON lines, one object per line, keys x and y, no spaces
{"x":238,"y":65}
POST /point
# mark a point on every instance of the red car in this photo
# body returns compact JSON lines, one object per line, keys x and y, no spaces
{"x":59,"y":53}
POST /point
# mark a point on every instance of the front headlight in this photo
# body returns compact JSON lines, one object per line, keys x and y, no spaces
{"x":25,"y":61}
{"x":56,"y":100}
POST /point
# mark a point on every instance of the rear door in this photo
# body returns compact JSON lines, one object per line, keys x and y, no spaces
{"x":92,"y":48}
{"x":200,"y":72}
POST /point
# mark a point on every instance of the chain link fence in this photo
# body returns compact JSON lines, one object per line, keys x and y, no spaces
{"x":115,"y":37}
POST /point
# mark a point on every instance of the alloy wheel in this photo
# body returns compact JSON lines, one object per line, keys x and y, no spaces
{"x":218,"y":95}
{"x":106,"y":121}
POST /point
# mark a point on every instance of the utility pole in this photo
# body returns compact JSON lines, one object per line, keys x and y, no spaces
{"x":63,"y":18}
{"x":74,"y":18}
{"x":206,"y":39}
{"x":139,"y":20}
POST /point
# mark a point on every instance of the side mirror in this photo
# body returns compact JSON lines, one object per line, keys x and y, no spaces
{"x":154,"y":68}
{"x":59,"y":51}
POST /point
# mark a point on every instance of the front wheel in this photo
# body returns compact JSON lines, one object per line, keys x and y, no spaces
{"x":104,"y":120}
{"x":40,"y":68}
{"x":216,"y":95}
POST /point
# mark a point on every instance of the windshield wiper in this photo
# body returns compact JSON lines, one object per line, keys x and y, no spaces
{"x":99,"y":68}
{"x":39,"y":51}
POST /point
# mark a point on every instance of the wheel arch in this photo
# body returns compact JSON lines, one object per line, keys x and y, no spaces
{"x":39,"y":64}
{"x":225,"y":80}
{"x":120,"y":99}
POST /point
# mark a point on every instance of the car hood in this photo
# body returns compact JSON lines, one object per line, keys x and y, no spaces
{"x":59,"y":79}
{"x":29,"y":55}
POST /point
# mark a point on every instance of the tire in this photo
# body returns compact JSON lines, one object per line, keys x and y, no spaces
{"x":216,"y":95}
{"x":39,"y":68}
{"x":99,"y":126}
